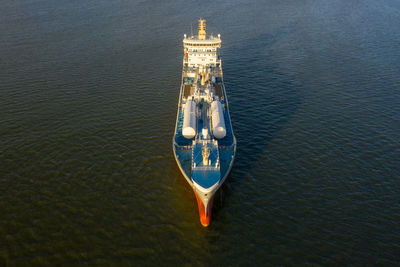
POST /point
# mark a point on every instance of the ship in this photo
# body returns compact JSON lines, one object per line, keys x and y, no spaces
{"x":204,"y":145}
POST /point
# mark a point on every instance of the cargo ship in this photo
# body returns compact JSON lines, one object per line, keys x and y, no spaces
{"x":204,"y":145}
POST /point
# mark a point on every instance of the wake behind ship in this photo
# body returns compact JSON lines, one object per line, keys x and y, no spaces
{"x":204,"y":144}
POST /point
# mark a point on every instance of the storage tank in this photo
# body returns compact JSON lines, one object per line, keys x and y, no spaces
{"x":189,"y":120}
{"x":218,"y":122}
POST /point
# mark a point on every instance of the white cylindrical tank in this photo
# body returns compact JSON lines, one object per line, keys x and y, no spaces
{"x":218,"y":122}
{"x":189,"y":120}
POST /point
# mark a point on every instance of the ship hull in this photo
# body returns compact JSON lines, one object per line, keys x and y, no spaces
{"x":204,"y":145}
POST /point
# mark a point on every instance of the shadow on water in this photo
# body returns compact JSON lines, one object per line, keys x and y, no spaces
{"x":263,"y":97}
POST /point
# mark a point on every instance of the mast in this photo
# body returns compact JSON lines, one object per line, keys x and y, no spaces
{"x":202,"y":29}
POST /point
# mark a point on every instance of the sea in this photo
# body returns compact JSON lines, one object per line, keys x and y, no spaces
{"x":88,"y":100}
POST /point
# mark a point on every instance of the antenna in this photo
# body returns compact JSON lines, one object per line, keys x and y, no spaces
{"x":191,"y":29}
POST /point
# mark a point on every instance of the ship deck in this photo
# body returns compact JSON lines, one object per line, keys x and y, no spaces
{"x":183,"y":146}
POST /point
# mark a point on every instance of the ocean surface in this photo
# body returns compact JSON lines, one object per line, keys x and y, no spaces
{"x":88,"y":100}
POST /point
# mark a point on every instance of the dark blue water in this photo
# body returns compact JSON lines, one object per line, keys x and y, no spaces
{"x":88,"y":98}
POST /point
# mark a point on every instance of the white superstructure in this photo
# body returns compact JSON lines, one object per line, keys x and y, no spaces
{"x":201,"y":51}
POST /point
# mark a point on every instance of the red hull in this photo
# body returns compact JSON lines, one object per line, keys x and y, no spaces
{"x":205,"y":216}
